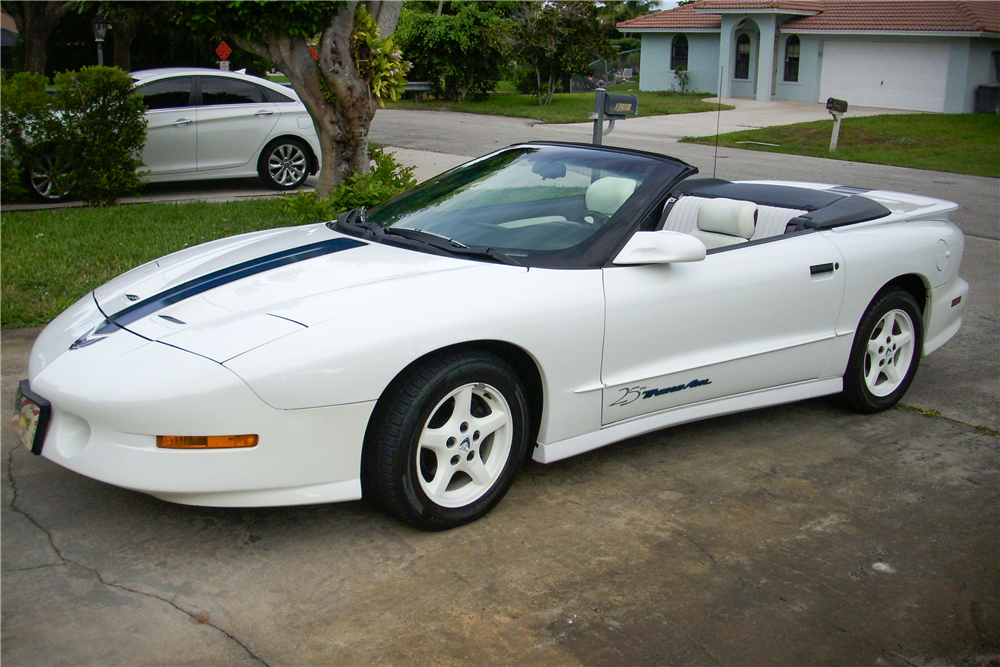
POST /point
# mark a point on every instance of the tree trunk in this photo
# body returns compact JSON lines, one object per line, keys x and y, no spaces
{"x":341,"y":124}
{"x":386,"y":14}
{"x":124,"y":24}
{"x":35,"y":22}
{"x":538,"y":85}
{"x":552,"y":88}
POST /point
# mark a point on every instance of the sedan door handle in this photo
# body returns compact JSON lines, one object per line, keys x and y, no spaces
{"x":817,"y":269}
{"x":264,"y":112}
{"x":183,"y":121}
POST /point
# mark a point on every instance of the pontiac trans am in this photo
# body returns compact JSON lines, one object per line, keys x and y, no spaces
{"x":544,"y":300}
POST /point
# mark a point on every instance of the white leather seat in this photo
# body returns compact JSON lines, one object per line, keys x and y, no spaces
{"x":724,"y":222}
{"x":771,"y":220}
{"x":606,"y":195}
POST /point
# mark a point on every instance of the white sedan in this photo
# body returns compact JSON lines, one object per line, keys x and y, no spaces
{"x":543,"y":301}
{"x":207,"y":124}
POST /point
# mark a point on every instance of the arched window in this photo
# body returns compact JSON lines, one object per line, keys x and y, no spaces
{"x":742,"y":57}
{"x":679,"y":52}
{"x":792,"y":58}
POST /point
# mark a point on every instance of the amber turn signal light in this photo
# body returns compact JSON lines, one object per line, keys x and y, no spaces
{"x":205,"y":441}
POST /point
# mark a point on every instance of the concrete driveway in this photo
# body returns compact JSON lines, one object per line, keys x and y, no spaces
{"x":801,"y":534}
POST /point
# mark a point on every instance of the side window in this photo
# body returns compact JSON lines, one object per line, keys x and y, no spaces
{"x":167,"y":93}
{"x":742,"y":57}
{"x":275,"y":96}
{"x":679,"y":52}
{"x":792,"y":59}
{"x":217,"y":90}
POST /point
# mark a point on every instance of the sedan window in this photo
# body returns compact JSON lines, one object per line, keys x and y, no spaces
{"x":167,"y":93}
{"x":217,"y":90}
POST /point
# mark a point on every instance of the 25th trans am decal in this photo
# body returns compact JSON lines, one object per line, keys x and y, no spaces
{"x":633,"y":394}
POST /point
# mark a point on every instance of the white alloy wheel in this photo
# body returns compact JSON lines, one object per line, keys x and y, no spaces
{"x":464,"y":446}
{"x":889,"y":353}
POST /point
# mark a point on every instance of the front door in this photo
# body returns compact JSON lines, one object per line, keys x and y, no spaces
{"x":744,"y":319}
{"x":171,"y":133}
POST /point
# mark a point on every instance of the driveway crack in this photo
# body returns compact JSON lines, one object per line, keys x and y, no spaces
{"x":198,"y":618}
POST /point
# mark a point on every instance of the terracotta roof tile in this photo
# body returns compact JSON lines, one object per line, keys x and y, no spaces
{"x":679,"y":17}
{"x":837,"y":15}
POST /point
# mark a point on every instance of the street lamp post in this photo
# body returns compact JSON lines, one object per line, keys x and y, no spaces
{"x":100,"y":26}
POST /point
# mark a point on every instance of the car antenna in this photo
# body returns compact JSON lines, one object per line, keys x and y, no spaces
{"x":718,"y":121}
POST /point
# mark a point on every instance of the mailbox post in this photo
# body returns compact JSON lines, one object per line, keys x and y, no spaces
{"x":611,"y":108}
{"x":837,"y":109}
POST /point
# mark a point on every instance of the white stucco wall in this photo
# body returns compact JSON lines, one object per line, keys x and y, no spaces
{"x":655,"y":69}
{"x":807,"y":87}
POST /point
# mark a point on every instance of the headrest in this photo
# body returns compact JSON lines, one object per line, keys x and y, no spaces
{"x":728,"y":216}
{"x":606,"y":195}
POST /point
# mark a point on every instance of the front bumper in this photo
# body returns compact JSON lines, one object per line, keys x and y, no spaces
{"x":111,"y":399}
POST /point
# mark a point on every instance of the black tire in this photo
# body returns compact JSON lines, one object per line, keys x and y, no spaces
{"x":47,"y":180}
{"x":883,"y":362}
{"x":284,"y":164}
{"x":432,"y":483}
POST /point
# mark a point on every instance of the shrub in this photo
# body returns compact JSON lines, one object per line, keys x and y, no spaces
{"x":27,"y":123}
{"x":683,"y":77}
{"x":92,"y":127}
{"x":102,"y":132}
{"x":386,"y":179}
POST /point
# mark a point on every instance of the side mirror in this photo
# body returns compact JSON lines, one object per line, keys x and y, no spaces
{"x":661,"y":247}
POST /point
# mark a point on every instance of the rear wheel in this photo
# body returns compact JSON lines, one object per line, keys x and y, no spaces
{"x":284,"y":164}
{"x":446,"y":440}
{"x":886,"y":352}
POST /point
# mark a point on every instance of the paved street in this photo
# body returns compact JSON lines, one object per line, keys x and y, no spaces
{"x":801,"y":534}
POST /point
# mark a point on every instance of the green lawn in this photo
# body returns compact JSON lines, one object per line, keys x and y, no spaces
{"x":959,"y":143}
{"x":567,"y":107}
{"x":52,"y":258}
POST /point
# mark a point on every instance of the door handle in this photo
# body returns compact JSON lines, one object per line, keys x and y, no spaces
{"x":264,"y":112}
{"x":183,"y":121}
{"x":817,"y":269}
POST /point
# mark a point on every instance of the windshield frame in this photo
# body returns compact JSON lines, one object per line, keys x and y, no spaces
{"x":594,"y":251}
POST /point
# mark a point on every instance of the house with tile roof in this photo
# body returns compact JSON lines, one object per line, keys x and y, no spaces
{"x":922,"y":55}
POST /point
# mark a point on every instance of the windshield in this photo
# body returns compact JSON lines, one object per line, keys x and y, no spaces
{"x":524,"y":200}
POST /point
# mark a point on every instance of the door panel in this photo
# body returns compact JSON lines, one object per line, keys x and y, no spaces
{"x":744,"y":319}
{"x":171,"y":135}
{"x":234,"y":120}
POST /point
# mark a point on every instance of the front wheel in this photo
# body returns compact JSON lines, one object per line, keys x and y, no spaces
{"x":886,"y":352}
{"x":446,"y":440}
{"x":284,"y":164}
{"x":49,"y":179}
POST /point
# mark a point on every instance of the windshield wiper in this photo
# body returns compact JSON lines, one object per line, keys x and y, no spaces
{"x":450,"y":246}
{"x":421,"y":235}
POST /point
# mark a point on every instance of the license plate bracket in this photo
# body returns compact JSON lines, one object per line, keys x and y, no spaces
{"x":31,"y":420}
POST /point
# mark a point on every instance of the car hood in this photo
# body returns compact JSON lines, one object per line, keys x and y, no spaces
{"x":227,"y":297}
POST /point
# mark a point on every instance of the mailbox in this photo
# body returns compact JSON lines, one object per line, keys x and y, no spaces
{"x":836,"y":106}
{"x":621,"y":105}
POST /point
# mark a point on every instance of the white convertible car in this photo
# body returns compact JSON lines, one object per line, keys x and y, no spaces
{"x":544,"y":300}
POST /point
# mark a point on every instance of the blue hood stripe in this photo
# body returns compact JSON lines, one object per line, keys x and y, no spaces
{"x":224,"y":276}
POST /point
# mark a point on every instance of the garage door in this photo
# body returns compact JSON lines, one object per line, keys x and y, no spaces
{"x":890,"y":75}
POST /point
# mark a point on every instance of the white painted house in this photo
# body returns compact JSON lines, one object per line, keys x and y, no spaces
{"x":923,"y":55}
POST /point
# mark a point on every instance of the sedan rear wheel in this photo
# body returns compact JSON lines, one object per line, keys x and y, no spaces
{"x":886,"y":352}
{"x":284,"y":164}
{"x":446,"y":440}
